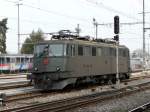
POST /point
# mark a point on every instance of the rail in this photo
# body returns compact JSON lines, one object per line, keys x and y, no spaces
{"x":141,"y":108}
{"x":32,"y":94}
{"x":70,"y":103}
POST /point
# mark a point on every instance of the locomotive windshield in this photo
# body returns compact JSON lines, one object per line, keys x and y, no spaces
{"x":49,"y":50}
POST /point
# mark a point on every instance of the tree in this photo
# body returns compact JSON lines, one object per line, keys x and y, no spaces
{"x":28,"y":45}
{"x":3,"y":30}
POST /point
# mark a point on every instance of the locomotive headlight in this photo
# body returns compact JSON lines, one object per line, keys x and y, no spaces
{"x":57,"y":69}
{"x":35,"y":69}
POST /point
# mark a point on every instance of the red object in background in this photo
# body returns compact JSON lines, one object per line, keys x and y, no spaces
{"x":3,"y":65}
{"x":45,"y":61}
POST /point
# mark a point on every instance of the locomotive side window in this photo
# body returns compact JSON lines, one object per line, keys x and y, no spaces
{"x":103,"y":51}
{"x":121,"y":52}
{"x":99,"y":51}
{"x":80,"y":50}
{"x":87,"y":51}
{"x":106,"y":51}
{"x":72,"y":50}
{"x":127,"y":53}
{"x":93,"y":51}
{"x":66,"y":50}
{"x":112,"y":51}
{"x":124,"y":53}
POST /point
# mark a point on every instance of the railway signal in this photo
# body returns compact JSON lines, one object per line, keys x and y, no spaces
{"x":116,"y":24}
{"x":116,"y":38}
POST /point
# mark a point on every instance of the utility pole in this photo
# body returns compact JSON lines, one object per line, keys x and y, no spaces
{"x":18,"y":6}
{"x":78,"y":30}
{"x":95,"y":23}
{"x":144,"y":35}
{"x":144,"y":30}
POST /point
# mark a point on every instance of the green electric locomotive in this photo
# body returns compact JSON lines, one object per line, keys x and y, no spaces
{"x":67,"y":59}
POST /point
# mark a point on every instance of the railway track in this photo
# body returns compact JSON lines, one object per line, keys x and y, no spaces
{"x":24,"y":96}
{"x":70,"y":103}
{"x":33,"y":94}
{"x":14,"y":85}
{"x":7,"y":77}
{"x":136,"y":78}
{"x":142,"y":108}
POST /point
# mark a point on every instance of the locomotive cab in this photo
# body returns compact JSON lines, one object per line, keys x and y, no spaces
{"x":49,"y":58}
{"x":49,"y":64}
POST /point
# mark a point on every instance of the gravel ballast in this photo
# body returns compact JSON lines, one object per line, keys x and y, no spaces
{"x":123,"y":104}
{"x":119,"y":103}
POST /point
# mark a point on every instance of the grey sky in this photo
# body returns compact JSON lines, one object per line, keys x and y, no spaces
{"x":54,"y":15}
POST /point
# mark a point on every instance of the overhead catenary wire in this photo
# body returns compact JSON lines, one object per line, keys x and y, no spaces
{"x":110,"y":9}
{"x":127,"y":23}
{"x":33,"y":21}
{"x":52,"y":12}
{"x":56,"y":13}
{"x":81,"y":19}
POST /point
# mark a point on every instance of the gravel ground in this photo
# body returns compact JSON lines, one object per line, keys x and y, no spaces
{"x":95,"y":108}
{"x":138,"y":74}
{"x":54,"y":96}
{"x":118,"y":105}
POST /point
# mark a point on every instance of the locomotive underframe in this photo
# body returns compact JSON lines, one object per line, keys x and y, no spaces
{"x":49,"y":81}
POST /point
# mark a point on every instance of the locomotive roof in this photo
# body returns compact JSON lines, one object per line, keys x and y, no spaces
{"x":81,"y":42}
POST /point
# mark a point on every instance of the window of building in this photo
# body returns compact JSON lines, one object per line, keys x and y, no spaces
{"x":31,"y":60}
{"x":18,"y":60}
{"x":2,"y":61}
{"x":13,"y":60}
{"x":7,"y":60}
{"x":22,"y":60}
{"x":26,"y":60}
